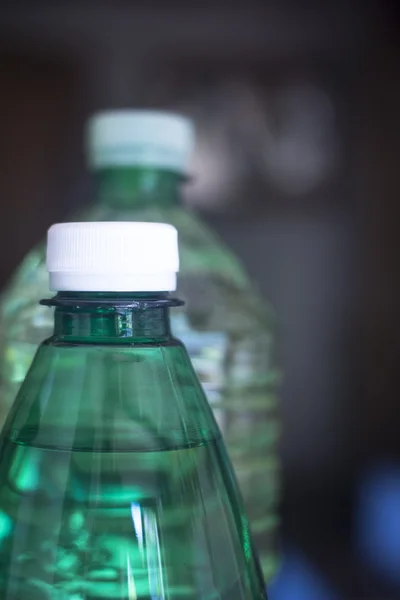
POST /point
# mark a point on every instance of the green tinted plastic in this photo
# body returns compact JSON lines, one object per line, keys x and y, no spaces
{"x":114,"y":480}
{"x":225,"y":325}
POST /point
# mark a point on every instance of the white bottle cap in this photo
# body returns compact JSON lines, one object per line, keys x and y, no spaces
{"x":112,"y":257}
{"x":140,"y":137}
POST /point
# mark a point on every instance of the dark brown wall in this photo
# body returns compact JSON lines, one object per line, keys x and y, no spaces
{"x":38,"y":118}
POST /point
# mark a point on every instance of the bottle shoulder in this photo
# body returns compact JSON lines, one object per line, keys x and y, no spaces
{"x":145,"y":395}
{"x":27,"y":285}
{"x":32,"y":265}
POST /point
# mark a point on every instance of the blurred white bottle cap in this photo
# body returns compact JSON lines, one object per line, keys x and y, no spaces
{"x":112,"y":257}
{"x":140,"y":137}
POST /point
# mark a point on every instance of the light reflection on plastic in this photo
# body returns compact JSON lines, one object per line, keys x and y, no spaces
{"x":146,"y":529}
{"x":5,"y":525}
{"x":154,"y":564}
{"x":137,"y":523}
{"x":131,"y":581}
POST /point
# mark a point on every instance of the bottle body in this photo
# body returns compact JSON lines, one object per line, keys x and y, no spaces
{"x":226,"y":329}
{"x":114,"y":482}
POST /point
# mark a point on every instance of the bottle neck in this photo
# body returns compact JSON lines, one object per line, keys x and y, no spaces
{"x":112,"y":318}
{"x":133,"y":186}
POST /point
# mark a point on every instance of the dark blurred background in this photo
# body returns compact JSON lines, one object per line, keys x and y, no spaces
{"x":297,"y":111}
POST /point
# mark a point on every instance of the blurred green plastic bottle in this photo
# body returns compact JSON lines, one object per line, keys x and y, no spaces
{"x":139,"y":160}
{"x":114,"y":480}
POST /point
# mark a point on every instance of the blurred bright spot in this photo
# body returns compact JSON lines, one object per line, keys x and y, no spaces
{"x":299,"y":580}
{"x":215,"y":171}
{"x":378,"y":521}
{"x":230,"y":121}
{"x":5,"y":525}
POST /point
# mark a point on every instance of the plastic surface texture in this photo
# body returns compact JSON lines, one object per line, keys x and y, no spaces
{"x":114,"y":481}
{"x":225,"y":325}
{"x":119,"y":256}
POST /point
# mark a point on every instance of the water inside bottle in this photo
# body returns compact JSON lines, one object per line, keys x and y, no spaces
{"x":89,"y":523}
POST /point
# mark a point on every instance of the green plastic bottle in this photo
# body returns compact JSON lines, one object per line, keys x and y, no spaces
{"x":114,"y":479}
{"x":139,"y":160}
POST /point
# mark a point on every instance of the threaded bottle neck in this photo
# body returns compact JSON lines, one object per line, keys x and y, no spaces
{"x":112,"y":318}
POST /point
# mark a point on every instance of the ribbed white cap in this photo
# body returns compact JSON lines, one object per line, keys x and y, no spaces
{"x":140,"y":137}
{"x":112,"y":257}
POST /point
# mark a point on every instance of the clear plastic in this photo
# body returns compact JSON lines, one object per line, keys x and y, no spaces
{"x":226,"y":326}
{"x":114,"y":480}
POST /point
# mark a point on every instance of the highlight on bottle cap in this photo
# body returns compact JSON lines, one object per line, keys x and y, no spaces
{"x":140,"y":137}
{"x":112,"y":257}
